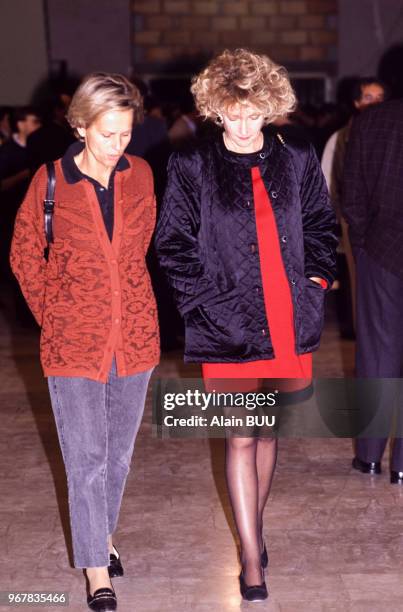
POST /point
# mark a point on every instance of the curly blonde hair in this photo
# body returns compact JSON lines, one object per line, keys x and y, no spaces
{"x":100,"y":92}
{"x":243,"y":77}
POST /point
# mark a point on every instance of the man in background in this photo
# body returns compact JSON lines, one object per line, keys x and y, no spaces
{"x":366,"y":92}
{"x":372,"y":204}
{"x":14,"y":180}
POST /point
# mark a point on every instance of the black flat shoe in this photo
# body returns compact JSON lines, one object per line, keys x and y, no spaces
{"x":256,"y":592}
{"x":264,"y":559}
{"x":103,"y":600}
{"x":115,"y":568}
{"x":373,"y":467}
{"x":396,"y":477}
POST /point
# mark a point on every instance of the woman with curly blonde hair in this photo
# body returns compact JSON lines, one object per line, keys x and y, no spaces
{"x":246,"y":238}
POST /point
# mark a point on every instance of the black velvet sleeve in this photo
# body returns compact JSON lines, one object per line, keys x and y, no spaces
{"x":319,"y":222}
{"x":176,"y":240}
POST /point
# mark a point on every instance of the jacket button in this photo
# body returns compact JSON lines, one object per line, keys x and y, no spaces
{"x":257,"y":290}
{"x":262,"y":155}
{"x":248,"y":204}
{"x":283,"y":238}
{"x":293,"y":281}
{"x":253,"y":248}
{"x":274,"y":194}
{"x":263,"y":332}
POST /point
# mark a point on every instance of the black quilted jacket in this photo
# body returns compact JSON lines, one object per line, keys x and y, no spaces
{"x":207,"y":243}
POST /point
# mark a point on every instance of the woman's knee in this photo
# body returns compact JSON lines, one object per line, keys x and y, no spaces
{"x":235,"y":443}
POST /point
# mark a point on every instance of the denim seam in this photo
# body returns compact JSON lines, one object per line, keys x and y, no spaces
{"x":104,"y":475}
{"x":60,"y":427}
{"x":59,"y":416}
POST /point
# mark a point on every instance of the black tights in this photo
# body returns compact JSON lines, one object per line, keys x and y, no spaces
{"x":250,"y":464}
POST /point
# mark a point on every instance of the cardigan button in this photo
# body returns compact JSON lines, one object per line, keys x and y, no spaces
{"x":293,"y":281}
{"x":263,"y":332}
{"x":274,"y":194}
{"x":253,"y":247}
{"x":262,"y":155}
{"x":283,"y":238}
{"x":248,"y":204}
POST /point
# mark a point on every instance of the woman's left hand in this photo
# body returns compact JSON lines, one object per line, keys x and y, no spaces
{"x":320,"y":281}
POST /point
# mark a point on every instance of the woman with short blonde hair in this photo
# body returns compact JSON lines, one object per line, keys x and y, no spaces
{"x":101,"y":92}
{"x":246,"y":238}
{"x":94,"y":303}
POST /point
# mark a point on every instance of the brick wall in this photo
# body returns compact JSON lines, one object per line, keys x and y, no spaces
{"x":302,"y":34}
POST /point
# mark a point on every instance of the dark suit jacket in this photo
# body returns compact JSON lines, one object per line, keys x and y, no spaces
{"x":372,"y":201}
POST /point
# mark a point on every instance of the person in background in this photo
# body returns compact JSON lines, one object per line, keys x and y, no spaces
{"x":52,"y":140}
{"x":371,"y":203}
{"x":94,"y":303}
{"x":149,"y":140}
{"x":5,"y":126}
{"x":366,"y":92}
{"x":184,"y":130}
{"x":246,"y":238}
{"x":14,"y":162}
{"x":151,"y":134}
{"x":14,"y":180}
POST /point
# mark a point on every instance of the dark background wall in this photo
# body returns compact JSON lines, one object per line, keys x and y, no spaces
{"x":367,"y":29}
{"x":300,"y":33}
{"x":324,"y":38}
{"x":37,"y":35}
{"x":90,"y":34}
{"x":23,"y":54}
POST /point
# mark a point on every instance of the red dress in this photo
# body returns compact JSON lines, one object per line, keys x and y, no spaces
{"x":278,"y":305}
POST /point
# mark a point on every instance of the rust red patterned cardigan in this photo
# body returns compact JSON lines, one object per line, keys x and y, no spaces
{"x":93,"y":298}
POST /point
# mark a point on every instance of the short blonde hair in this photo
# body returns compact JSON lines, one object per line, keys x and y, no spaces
{"x":243,"y":77}
{"x":101,"y":92}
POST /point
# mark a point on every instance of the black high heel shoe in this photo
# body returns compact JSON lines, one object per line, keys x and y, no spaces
{"x":256,"y":592}
{"x":264,"y":559}
{"x":115,"y":568}
{"x":103,"y":600}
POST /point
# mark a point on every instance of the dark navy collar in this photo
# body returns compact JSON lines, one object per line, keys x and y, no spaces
{"x":72,"y":172}
{"x":247,"y":159}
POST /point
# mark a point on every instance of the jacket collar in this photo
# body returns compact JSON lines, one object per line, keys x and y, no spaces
{"x":247,"y":159}
{"x":72,"y":173}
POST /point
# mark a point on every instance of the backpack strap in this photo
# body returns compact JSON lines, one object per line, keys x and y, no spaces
{"x":49,"y":202}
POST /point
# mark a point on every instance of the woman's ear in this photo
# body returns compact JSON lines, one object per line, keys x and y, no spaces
{"x":81,"y":132}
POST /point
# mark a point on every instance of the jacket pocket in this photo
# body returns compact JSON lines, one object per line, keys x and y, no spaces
{"x":312,"y":314}
{"x":214,"y":330}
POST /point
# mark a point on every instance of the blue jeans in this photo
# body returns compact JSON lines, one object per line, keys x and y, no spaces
{"x":97,"y":424}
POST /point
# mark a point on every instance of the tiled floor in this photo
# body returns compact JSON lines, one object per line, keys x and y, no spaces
{"x":335,"y":537}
